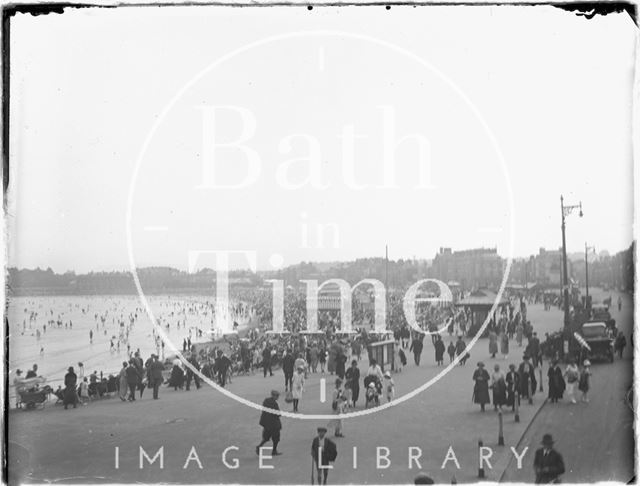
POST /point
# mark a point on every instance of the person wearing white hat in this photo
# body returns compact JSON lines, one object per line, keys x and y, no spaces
{"x":583,"y":384}
{"x":572,"y":374}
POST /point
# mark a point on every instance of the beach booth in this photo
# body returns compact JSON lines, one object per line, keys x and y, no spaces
{"x":383,"y":352}
{"x":480,"y":303}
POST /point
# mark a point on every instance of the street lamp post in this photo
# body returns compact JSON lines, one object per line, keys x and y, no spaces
{"x":566,"y":210}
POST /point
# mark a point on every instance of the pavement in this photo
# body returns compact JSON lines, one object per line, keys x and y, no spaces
{"x":79,"y":446}
{"x":596,"y":439}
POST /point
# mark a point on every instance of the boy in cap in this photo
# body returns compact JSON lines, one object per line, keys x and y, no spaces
{"x":270,"y":423}
{"x":547,"y":464}
{"x":323,"y":452}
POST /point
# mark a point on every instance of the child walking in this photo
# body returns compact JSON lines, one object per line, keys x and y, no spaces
{"x":389,"y":386}
{"x":583,"y":384}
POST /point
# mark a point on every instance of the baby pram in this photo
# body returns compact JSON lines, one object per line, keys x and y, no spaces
{"x":33,"y":397}
{"x":372,"y":393}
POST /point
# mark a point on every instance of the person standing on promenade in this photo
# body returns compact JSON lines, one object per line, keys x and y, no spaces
{"x":504,"y":344}
{"x":527,"y":377}
{"x":416,"y":346}
{"x":191,"y":359}
{"x":287,"y":368}
{"x":297,"y":387}
{"x":338,"y":404}
{"x":461,"y":347}
{"x":572,"y":374}
{"x":439,"y":345}
{"x":556,"y":382}
{"x":221,"y":365}
{"x":323,"y":452}
{"x":493,"y":343}
{"x":533,"y":350}
{"x":266,"y":361}
{"x":481,"y":387}
{"x":620,"y":343}
{"x":70,"y":394}
{"x":270,"y":423}
{"x":155,"y":375}
{"x":341,"y":359}
{"x":512,"y":380}
{"x":451,"y":351}
{"x":584,"y":382}
{"x":352,"y":376}
{"x":133,"y":377}
{"x":547,"y":463}
{"x":122,"y":382}
{"x":499,"y":387}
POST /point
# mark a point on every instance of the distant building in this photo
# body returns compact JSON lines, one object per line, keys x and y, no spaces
{"x":547,"y":267}
{"x":479,"y":267}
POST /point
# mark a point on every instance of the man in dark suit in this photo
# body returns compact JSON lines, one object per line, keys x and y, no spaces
{"x":270,"y":423}
{"x":548,"y":464}
{"x":266,"y":361}
{"x":221,"y":366}
{"x":323,"y":452}
{"x":155,"y":375}
{"x":191,"y":358}
{"x":416,"y":346}
{"x":287,"y":367}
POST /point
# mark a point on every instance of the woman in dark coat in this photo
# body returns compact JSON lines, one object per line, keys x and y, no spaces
{"x":176,"y":380}
{"x":556,"y":382}
{"x":528,"y":381}
{"x":353,"y":378}
{"x":70,"y":394}
{"x":439,"y":345}
{"x":341,"y":359}
{"x":481,"y":388}
{"x":322,"y":356}
{"x":512,"y":380}
{"x":499,"y":387}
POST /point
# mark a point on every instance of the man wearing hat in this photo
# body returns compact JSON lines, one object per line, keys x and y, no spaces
{"x":423,"y":478}
{"x":155,"y":375}
{"x":528,"y":382}
{"x":270,"y":423}
{"x":481,"y":386}
{"x":323,"y":452}
{"x":547,"y":464}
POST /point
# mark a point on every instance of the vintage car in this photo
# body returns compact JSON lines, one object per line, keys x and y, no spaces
{"x":599,"y":339}
{"x":600,"y":312}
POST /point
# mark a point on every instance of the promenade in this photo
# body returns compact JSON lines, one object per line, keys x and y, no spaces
{"x":57,"y":445}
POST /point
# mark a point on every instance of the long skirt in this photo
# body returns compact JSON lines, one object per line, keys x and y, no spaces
{"x":499,"y":393}
{"x":70,"y":396}
{"x":122,"y":393}
{"x":504,"y":345}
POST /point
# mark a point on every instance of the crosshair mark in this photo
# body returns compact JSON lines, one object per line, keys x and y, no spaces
{"x":323,"y":390}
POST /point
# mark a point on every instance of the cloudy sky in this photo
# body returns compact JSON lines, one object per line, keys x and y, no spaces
{"x":147,"y":134}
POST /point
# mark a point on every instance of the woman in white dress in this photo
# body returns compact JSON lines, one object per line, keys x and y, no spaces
{"x":297,"y":387}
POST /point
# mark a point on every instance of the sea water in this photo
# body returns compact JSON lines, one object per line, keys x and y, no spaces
{"x":59,"y":347}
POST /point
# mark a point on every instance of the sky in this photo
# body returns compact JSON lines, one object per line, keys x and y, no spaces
{"x":148,"y":135}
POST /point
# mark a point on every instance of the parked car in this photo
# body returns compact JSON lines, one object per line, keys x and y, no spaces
{"x":599,"y":338}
